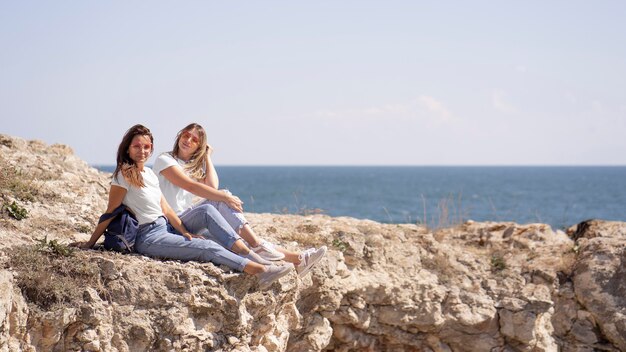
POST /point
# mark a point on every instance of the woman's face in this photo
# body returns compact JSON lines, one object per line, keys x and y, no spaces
{"x":140,"y":149}
{"x":189,"y":142}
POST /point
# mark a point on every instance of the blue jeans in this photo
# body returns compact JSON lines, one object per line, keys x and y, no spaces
{"x":235,"y":219}
{"x":205,"y":219}
{"x":156,"y":240}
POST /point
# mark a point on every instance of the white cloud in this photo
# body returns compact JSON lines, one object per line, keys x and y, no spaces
{"x":435,"y":107}
{"x":500,"y":103}
{"x":423,"y":107}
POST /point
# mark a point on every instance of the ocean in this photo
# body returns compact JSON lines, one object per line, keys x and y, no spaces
{"x":436,"y":196}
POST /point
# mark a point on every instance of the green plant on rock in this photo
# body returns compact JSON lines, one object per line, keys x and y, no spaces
{"x":16,"y":211}
{"x":54,"y":247}
{"x":340,"y":245}
{"x":497,"y":263}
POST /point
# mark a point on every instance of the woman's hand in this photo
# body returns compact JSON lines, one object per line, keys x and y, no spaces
{"x":191,"y":236}
{"x":233,"y":202}
{"x":82,"y":245}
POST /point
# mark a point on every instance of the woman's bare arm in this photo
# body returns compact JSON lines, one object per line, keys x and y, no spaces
{"x":116,"y":195}
{"x":176,"y":176}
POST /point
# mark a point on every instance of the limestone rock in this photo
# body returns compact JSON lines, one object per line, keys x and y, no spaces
{"x":382,"y":287}
{"x":600,"y":281}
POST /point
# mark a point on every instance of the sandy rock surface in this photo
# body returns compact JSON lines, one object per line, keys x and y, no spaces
{"x":382,"y":287}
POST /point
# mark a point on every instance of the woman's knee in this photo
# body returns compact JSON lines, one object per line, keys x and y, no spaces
{"x":210,"y":211}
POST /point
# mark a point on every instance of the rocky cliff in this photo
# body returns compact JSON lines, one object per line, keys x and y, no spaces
{"x":382,"y":287}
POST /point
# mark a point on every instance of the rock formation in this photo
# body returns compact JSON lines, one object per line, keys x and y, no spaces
{"x":382,"y":287}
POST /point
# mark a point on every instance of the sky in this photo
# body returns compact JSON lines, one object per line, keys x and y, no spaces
{"x":323,"y":82}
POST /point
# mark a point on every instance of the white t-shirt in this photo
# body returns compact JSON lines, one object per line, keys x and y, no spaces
{"x":145,"y":202}
{"x":178,"y":198}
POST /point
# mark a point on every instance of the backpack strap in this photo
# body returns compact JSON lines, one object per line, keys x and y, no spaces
{"x":111,"y":215}
{"x":123,"y":239}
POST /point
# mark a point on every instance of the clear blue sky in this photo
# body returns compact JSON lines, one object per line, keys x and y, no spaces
{"x":323,"y":82}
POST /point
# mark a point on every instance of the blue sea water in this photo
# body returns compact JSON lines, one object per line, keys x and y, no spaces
{"x":559,"y":196}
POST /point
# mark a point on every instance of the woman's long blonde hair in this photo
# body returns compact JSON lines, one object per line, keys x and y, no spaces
{"x":125,"y":164}
{"x":197,"y":164}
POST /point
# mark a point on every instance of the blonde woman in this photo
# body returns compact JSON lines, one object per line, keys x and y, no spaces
{"x":187,"y":172}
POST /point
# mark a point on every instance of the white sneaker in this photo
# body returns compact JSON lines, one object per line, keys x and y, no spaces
{"x":309,"y":258}
{"x":272,"y":274}
{"x":267,"y":251}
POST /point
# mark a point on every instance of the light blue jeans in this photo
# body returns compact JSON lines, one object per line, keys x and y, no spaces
{"x":214,"y":220}
{"x":235,"y":219}
{"x":155,"y":239}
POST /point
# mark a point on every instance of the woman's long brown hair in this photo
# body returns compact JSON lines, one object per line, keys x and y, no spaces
{"x":197,"y":164}
{"x":125,"y":164}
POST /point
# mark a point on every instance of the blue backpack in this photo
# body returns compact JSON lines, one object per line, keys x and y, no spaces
{"x":120,"y":235}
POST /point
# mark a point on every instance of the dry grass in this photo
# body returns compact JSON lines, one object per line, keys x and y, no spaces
{"x":18,"y":187}
{"x":449,"y":213}
{"x":440,"y":265}
{"x":16,"y":184}
{"x":306,"y":235}
{"x":59,"y":226}
{"x":51,"y":274}
{"x":83,"y":228}
{"x":302,"y":211}
{"x":306,"y":239}
{"x":299,"y":208}
{"x":308,"y":228}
